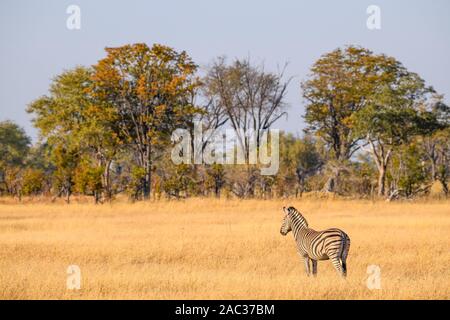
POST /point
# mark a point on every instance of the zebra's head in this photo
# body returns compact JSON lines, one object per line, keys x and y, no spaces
{"x":286,"y":225}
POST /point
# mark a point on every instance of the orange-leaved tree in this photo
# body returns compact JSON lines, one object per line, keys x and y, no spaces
{"x":152,"y":90}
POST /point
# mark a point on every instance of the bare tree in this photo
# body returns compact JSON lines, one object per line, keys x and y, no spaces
{"x":250,"y":98}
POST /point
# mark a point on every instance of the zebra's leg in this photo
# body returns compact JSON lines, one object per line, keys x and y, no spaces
{"x":314,"y":267}
{"x":307,"y":268}
{"x":344,"y":268}
{"x":337,"y":264}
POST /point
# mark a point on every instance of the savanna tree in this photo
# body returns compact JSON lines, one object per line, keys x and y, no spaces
{"x":394,"y":115}
{"x":74,"y":122}
{"x":151,"y":91}
{"x":14,"y":147}
{"x":437,"y":145}
{"x":353,"y":94}
{"x":250,"y":99}
{"x":299,"y":161}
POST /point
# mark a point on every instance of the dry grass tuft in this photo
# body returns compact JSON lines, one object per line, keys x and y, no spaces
{"x":218,"y":249}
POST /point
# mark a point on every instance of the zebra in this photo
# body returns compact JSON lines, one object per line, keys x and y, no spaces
{"x":312,"y":245}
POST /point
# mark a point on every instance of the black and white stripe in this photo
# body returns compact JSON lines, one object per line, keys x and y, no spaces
{"x":312,"y":245}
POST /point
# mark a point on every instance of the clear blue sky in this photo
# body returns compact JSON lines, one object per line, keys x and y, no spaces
{"x":36,"y":44}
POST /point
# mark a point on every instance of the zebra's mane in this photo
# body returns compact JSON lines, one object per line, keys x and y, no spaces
{"x":297,"y":216}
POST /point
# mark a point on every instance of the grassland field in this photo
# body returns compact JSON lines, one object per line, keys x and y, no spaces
{"x":219,"y":249}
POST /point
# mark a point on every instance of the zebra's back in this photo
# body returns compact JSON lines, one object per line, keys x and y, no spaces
{"x":322,"y":245}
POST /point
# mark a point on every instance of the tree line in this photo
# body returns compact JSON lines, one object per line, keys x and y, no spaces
{"x":373,"y":129}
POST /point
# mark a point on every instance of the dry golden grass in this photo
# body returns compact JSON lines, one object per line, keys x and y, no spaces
{"x":217,"y":249}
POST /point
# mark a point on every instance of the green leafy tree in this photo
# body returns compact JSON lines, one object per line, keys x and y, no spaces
{"x":70,"y":114}
{"x":178,"y":182}
{"x":299,"y":160}
{"x":88,"y":179}
{"x":14,"y":144}
{"x":135,"y":182}
{"x":408,"y":172}
{"x":65,"y":159}
{"x":38,"y":160}
{"x":437,"y":145}
{"x":341,"y":84}
{"x":393,"y":117}
{"x":14,"y":148}
{"x":32,"y":181}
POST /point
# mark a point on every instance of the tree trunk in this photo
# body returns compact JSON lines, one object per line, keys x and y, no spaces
{"x":68,"y":192}
{"x":217,"y":188}
{"x":332,"y":182}
{"x":433,"y":170}
{"x":381,"y":156}
{"x":301,"y":185}
{"x":382,"y":180}
{"x":148,"y":173}
{"x":330,"y":185}
{"x":107,"y":180}
{"x":251,"y":180}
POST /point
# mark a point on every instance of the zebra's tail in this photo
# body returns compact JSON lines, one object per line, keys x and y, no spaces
{"x":345,"y":247}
